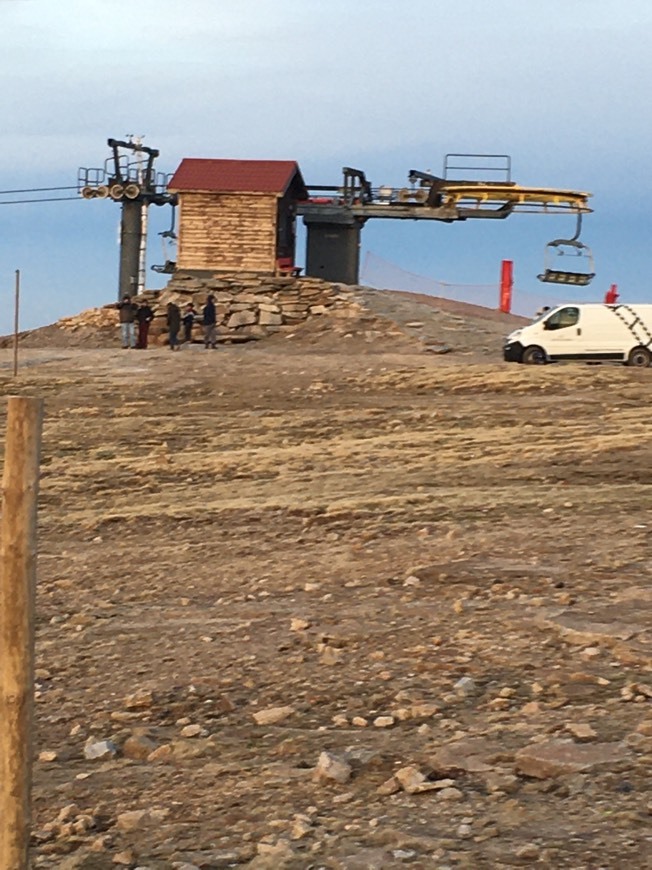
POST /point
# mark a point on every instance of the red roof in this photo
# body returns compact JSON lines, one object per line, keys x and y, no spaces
{"x":236,"y":176}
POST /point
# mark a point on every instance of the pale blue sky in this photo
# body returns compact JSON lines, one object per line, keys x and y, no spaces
{"x":382,"y":85}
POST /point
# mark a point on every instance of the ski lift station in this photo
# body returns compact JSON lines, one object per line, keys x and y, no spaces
{"x":240,"y":215}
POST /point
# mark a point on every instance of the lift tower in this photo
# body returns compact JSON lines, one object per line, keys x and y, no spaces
{"x":128,"y":177}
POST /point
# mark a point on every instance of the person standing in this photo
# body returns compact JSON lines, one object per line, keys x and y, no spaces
{"x":174,"y":323}
{"x":144,"y":317}
{"x":127,"y":310}
{"x":209,"y":319}
{"x":188,"y":322}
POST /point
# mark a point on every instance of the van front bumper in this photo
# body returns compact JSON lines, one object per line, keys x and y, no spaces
{"x":513,"y":351}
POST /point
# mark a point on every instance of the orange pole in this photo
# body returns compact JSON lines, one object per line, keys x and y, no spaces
{"x":506,"y":285}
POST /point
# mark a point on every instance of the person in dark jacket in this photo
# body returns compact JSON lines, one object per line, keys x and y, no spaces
{"x":209,"y":319}
{"x":174,"y":323}
{"x":144,"y":317}
{"x":188,"y":322}
{"x":127,"y":310}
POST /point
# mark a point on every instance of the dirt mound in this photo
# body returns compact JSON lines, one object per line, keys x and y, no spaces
{"x":371,"y":320}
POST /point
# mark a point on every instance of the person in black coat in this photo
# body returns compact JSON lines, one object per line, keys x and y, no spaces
{"x":144,"y":317}
{"x":188,"y":322}
{"x":209,"y":319}
{"x":174,"y":324}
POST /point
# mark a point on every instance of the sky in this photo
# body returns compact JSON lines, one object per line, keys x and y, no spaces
{"x":381,"y":85}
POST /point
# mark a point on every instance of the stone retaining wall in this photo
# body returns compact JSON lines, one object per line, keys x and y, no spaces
{"x":249,"y":305}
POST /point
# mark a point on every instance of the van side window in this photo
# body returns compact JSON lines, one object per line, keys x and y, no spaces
{"x":563,"y":318}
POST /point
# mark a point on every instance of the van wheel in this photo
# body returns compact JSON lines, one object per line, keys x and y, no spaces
{"x":534,"y":356}
{"x":640,"y":357}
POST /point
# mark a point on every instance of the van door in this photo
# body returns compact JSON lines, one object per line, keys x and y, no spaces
{"x":562,"y":338}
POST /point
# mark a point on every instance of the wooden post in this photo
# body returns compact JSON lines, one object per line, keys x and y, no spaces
{"x":16,"y":317}
{"x":17,"y":594}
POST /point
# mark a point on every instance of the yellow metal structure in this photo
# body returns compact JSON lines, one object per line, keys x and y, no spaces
{"x":529,"y":199}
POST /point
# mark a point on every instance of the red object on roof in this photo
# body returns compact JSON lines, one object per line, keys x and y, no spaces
{"x":236,"y":176}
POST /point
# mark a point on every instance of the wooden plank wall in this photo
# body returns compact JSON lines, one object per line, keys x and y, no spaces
{"x":230,"y":232}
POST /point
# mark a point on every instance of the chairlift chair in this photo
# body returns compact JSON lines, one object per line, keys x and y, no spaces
{"x":168,"y":237}
{"x":584,"y":268}
{"x":579,"y":277}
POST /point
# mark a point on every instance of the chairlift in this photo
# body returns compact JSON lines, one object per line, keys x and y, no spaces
{"x":168,"y":238}
{"x":578,"y":273}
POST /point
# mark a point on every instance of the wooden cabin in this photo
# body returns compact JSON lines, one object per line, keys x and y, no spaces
{"x":237,"y":215}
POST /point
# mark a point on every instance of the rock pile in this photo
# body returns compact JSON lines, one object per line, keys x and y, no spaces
{"x":93,"y":318}
{"x":249,"y":305}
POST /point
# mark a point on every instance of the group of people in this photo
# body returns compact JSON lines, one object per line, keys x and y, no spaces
{"x":136,"y":318}
{"x":175,"y":319}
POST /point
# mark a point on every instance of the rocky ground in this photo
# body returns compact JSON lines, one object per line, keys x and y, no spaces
{"x":333,"y":601}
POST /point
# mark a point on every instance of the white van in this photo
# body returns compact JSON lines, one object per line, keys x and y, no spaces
{"x":585,"y":332}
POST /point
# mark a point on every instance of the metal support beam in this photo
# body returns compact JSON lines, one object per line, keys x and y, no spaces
{"x":130,"y":240}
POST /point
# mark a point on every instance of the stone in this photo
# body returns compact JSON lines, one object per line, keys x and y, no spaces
{"x":272,"y":715}
{"x":332,"y":767}
{"x":67,"y":813}
{"x":384,"y":721}
{"x":301,"y":827}
{"x":241,"y":318}
{"x":95,"y":750}
{"x":359,"y":722}
{"x":423,"y":711}
{"x":299,"y":624}
{"x":555,"y":758}
{"x":138,"y":700}
{"x":47,"y":756}
{"x":413,"y":781}
{"x":465,"y":687}
{"x":138,"y":747}
{"x":132,"y":820}
{"x":581,"y":730}
{"x":270,"y":318}
{"x":193,"y":730}
{"x":162,"y":754}
{"x":390,"y":786}
{"x":528,"y":852}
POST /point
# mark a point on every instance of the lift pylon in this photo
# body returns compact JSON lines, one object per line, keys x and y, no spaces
{"x":128,"y":177}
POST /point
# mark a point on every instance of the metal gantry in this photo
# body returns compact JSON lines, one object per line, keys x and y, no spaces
{"x":128,"y":177}
{"x":335,"y":215}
